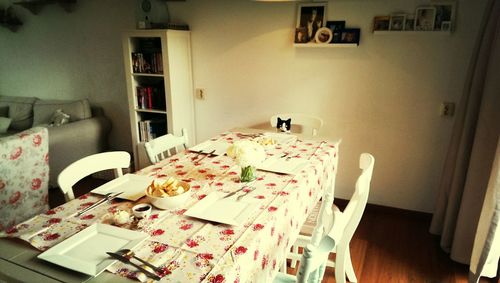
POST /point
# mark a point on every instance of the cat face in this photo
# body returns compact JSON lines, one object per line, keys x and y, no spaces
{"x":284,"y":125}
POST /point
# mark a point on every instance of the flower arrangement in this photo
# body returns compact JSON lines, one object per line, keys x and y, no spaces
{"x":248,"y":154}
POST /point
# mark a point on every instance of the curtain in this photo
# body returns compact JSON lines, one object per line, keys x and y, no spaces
{"x":486,"y":251}
{"x":473,"y":143}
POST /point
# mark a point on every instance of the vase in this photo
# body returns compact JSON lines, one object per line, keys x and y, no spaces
{"x":248,"y":173}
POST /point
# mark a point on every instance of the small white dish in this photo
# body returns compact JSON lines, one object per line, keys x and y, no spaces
{"x":142,"y":210}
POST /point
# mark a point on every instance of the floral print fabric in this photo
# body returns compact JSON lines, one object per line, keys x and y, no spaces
{"x":24,"y":175}
{"x":193,"y":250}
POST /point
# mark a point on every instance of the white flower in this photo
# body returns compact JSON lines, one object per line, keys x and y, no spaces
{"x":247,"y":153}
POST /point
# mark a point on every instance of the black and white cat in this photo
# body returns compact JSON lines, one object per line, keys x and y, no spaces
{"x":284,"y":125}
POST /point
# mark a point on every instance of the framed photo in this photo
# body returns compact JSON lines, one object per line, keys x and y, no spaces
{"x":446,"y":26}
{"x":424,"y":18}
{"x":301,"y":35}
{"x":311,"y":17}
{"x":350,"y":35}
{"x":381,"y":23}
{"x":336,"y":27}
{"x":445,"y":12}
{"x":409,"y":22}
{"x":397,"y":22}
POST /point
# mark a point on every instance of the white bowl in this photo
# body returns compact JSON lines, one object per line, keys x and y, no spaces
{"x":169,"y":202}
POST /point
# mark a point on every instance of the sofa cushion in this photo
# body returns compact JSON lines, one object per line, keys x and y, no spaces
{"x":4,"y":111}
{"x":20,"y":111}
{"x":45,"y":109}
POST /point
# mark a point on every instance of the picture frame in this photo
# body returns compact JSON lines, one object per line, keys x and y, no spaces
{"x":397,"y":22}
{"x":446,"y":26}
{"x":336,"y":27}
{"x":311,"y":17}
{"x":350,"y":35}
{"x":300,"y":35}
{"x":424,"y":18}
{"x":381,"y":23}
{"x":324,"y":35}
{"x":445,"y":12}
{"x":409,"y":22}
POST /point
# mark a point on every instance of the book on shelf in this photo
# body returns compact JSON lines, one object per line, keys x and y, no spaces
{"x":147,"y":62}
{"x":150,"y":97}
{"x":151,"y":129}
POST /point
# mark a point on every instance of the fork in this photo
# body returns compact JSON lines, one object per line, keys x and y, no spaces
{"x":246,"y":193}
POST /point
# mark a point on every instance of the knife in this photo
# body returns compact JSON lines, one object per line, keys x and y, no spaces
{"x":127,"y":260}
{"x":107,"y":197}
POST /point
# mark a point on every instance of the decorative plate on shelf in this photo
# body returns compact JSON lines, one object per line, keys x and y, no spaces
{"x":324,"y":35}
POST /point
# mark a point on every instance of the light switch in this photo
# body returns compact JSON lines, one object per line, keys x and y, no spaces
{"x":447,"y":109}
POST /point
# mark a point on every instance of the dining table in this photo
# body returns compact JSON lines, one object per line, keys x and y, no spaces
{"x":187,"y":248}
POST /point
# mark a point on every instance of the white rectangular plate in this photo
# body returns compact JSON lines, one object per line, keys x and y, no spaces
{"x":133,"y":186}
{"x":86,"y":251}
{"x":217,"y":209}
{"x":283,"y":165}
{"x":220,"y":147}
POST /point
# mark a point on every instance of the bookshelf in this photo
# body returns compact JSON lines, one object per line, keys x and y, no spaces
{"x":159,"y":86}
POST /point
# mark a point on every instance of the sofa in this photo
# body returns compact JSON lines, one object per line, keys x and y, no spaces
{"x":23,"y":176}
{"x":82,"y":131}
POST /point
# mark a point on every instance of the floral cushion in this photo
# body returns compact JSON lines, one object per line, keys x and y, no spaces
{"x":24,"y":176}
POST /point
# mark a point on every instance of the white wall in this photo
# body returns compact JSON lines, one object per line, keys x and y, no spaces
{"x":382,"y":97}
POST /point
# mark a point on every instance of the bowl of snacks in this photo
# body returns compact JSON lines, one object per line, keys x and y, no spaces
{"x":167,"y":194}
{"x":266,"y":141}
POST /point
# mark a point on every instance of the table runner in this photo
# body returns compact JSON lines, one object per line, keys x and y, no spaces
{"x":190,"y":250}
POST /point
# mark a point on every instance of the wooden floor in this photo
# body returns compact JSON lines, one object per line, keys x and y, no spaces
{"x":390,"y":245}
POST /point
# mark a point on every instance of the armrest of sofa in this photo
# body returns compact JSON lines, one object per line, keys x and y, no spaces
{"x":72,"y":141}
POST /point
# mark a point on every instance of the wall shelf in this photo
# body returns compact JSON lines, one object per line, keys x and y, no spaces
{"x":324,"y":45}
{"x":394,"y":32}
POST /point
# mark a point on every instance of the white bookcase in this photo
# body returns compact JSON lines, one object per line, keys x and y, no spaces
{"x":159,"y":86}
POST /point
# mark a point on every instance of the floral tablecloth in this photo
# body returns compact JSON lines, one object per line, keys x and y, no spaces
{"x":192,"y":250}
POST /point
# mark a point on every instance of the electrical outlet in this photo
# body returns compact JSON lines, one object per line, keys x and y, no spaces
{"x":447,"y":109}
{"x":201,"y":93}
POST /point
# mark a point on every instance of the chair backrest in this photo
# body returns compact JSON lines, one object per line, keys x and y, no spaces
{"x":81,"y":168}
{"x":354,"y":210}
{"x":165,"y":146}
{"x":335,"y":227}
{"x":310,"y":124}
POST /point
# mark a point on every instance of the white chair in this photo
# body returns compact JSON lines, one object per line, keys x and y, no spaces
{"x":312,"y":267}
{"x":165,"y":146}
{"x":309,"y":124}
{"x":350,"y":218}
{"x":79,"y":169}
